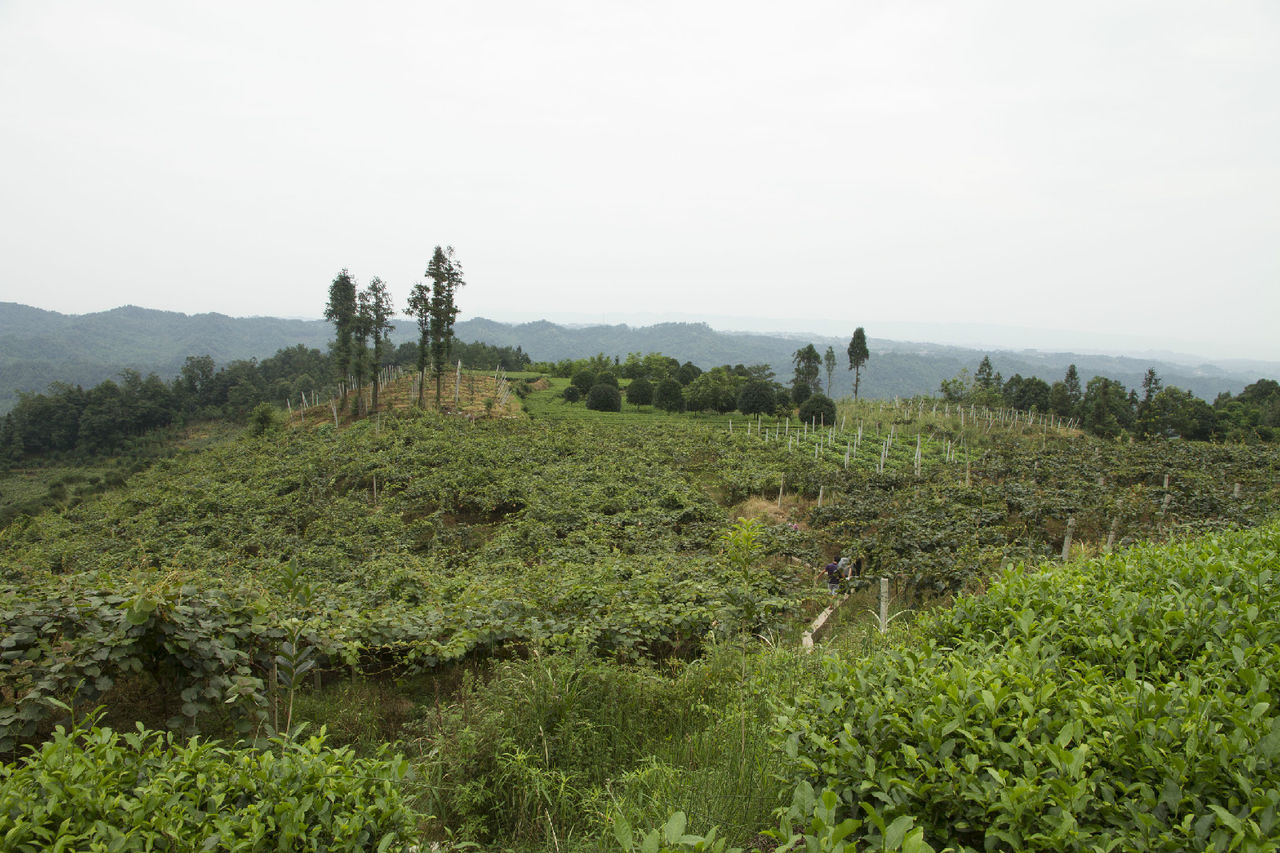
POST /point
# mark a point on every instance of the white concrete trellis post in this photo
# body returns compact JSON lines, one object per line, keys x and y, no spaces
{"x":884,"y":605}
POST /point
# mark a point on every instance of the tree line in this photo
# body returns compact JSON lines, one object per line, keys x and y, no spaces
{"x":1106,"y":408}
{"x":671,"y":386}
{"x":110,"y":416}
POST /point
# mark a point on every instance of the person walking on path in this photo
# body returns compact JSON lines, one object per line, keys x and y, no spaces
{"x":833,"y":575}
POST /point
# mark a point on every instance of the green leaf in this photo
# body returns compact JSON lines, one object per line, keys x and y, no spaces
{"x":622,"y":832}
{"x":897,"y":831}
{"x":675,"y":827}
{"x":1227,"y":817}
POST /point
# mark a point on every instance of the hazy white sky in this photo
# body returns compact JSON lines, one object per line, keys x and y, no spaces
{"x":1110,"y":167}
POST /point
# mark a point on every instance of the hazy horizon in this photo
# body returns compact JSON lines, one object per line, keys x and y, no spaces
{"x":1023,"y":169}
{"x":968,"y":336}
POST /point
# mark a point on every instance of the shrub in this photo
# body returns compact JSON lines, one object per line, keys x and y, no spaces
{"x":819,"y":408}
{"x":604,"y":398}
{"x":583,"y":380}
{"x":1080,"y":707}
{"x":93,"y":787}
{"x":263,"y":419}
{"x":800,"y":392}
{"x":757,"y":398}
{"x":640,"y":392}
{"x":572,"y":394}
{"x":669,"y":396}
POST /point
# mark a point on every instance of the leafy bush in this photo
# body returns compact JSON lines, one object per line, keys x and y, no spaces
{"x":1123,"y":701}
{"x":669,"y":396}
{"x":572,"y":394}
{"x":640,"y":392}
{"x":263,"y":419}
{"x":92,"y":787}
{"x":757,"y":398}
{"x":583,"y":380}
{"x":818,"y":408}
{"x":604,"y":398}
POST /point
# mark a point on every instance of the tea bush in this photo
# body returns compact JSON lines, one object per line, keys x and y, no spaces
{"x":1128,"y":702}
{"x":93,"y":788}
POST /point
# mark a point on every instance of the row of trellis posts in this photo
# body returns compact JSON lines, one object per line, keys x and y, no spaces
{"x":827,"y":435}
{"x":386,"y":375}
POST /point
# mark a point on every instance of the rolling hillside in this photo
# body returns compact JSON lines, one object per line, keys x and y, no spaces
{"x":40,"y":347}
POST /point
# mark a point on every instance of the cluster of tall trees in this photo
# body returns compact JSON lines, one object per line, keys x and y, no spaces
{"x":362,"y":325}
{"x":435,"y":310}
{"x":360,"y":317}
{"x":810,"y":366}
{"x":1105,"y":407}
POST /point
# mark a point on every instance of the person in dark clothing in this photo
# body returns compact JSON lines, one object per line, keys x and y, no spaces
{"x":833,"y":575}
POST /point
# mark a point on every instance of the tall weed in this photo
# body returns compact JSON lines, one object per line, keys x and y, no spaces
{"x":550,"y":750}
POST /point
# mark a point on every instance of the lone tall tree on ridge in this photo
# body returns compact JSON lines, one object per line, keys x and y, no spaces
{"x":341,"y":311}
{"x":829,"y":365}
{"x":858,"y":355}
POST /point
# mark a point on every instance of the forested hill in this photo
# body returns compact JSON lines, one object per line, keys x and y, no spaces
{"x":40,"y":347}
{"x":896,"y":368}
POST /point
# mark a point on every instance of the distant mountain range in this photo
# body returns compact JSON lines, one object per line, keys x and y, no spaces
{"x":40,"y":347}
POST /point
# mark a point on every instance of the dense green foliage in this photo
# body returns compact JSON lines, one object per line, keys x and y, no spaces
{"x":604,"y":398}
{"x":640,"y":392}
{"x":1107,"y":409}
{"x":557,"y":570}
{"x":669,"y":396}
{"x":425,"y":539}
{"x":548,"y":744}
{"x":1125,"y":701}
{"x":757,"y":398}
{"x":112,"y":416}
{"x":92,"y":788}
{"x":819,"y":410}
{"x":478,"y":535}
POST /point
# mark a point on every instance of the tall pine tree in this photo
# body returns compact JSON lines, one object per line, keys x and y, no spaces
{"x":858,"y":355}
{"x":341,"y":311}
{"x":380,"y":310}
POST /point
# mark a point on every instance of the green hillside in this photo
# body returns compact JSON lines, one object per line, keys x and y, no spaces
{"x":558,"y":620}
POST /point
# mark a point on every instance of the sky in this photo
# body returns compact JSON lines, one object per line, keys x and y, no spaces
{"x":1040,"y":172}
